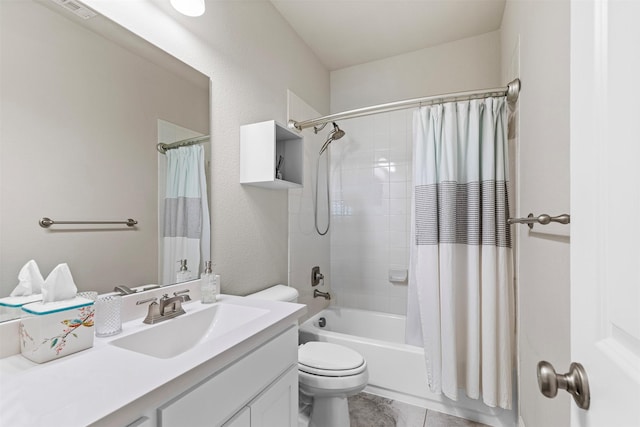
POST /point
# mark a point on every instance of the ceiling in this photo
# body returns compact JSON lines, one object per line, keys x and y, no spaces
{"x":343,"y":33}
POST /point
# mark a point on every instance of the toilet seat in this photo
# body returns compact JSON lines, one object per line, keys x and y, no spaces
{"x":329,"y":360}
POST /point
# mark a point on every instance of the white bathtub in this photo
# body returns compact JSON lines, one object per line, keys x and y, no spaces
{"x":396,"y":370}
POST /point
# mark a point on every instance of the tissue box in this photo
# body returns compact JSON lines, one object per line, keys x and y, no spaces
{"x":11,"y":307}
{"x":56,"y":329}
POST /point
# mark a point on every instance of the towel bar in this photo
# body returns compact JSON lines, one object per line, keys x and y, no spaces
{"x":48,"y":222}
{"x":543,"y":219}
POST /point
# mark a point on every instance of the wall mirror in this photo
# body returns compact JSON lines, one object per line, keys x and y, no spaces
{"x":84,"y":103}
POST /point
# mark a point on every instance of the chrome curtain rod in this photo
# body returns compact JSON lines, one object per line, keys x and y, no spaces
{"x":163,"y":147}
{"x":511,"y":92}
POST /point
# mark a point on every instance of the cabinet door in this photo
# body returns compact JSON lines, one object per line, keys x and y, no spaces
{"x":277,"y":405}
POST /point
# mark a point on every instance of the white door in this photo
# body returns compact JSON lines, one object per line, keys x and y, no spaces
{"x":605,"y":208}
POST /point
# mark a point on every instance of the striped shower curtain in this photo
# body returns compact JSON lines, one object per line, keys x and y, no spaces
{"x":461,"y":302}
{"x":186,"y":213}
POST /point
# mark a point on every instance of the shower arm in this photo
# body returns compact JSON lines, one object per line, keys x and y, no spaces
{"x":511,"y":92}
{"x":317,"y":129}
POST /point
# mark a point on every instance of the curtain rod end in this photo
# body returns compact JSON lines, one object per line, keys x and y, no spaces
{"x":293,"y":125}
{"x":513,"y":90}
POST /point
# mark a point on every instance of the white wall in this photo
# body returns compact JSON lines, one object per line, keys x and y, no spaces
{"x":468,"y":64}
{"x":78,"y":136}
{"x":252,"y":56}
{"x":371,"y":165}
{"x":535,"y":42}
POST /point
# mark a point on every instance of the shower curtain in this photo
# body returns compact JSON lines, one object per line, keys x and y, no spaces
{"x":461,"y":304}
{"x":186,"y":213}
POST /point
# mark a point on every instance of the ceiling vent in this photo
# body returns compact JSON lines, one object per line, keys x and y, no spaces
{"x":76,"y":8}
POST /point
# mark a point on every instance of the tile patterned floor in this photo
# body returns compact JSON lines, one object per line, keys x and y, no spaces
{"x":367,"y":410}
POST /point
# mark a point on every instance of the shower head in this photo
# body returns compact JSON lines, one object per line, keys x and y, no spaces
{"x":336,"y":133}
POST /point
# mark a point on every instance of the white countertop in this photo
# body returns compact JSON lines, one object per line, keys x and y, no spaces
{"x":84,"y":387}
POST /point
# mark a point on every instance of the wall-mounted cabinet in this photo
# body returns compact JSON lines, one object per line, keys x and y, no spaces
{"x":270,"y":156}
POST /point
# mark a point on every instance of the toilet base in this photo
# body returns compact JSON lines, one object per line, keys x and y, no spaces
{"x":328,"y":411}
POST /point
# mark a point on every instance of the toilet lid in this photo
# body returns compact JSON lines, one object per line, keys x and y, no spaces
{"x":323,"y":358}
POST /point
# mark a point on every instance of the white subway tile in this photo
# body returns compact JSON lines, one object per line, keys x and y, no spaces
{"x":398,"y":190}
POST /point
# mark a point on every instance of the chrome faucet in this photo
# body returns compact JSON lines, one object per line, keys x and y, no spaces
{"x":171,"y":307}
{"x":325,"y":295}
{"x":166,"y":308}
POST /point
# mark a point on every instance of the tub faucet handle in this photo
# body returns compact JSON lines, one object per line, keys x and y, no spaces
{"x":316,"y":276}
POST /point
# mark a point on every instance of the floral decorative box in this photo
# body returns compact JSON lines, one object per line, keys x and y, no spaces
{"x":56,"y":329}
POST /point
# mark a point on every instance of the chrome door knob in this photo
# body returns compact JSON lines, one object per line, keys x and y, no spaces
{"x":575,"y":382}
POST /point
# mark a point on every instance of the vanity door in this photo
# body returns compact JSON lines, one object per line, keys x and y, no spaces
{"x":277,"y":405}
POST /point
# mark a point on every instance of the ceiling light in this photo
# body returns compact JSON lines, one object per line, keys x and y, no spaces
{"x":189,"y":7}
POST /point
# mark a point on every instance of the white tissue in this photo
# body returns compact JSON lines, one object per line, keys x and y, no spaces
{"x":30,"y":280}
{"x":59,"y":285}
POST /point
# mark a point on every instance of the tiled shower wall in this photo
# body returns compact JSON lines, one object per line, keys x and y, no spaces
{"x":370,"y":211}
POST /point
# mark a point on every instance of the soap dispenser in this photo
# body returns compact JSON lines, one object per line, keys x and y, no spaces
{"x":209,"y":288}
{"x":184,"y":274}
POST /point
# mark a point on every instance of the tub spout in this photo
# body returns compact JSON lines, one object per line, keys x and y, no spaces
{"x":325,"y":295}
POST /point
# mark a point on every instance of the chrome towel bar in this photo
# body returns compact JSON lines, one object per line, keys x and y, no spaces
{"x":48,"y":222}
{"x":543,"y":219}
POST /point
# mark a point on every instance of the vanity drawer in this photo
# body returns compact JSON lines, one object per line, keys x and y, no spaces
{"x":220,"y":396}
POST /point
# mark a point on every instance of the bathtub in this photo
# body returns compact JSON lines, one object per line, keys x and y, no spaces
{"x":396,"y":370}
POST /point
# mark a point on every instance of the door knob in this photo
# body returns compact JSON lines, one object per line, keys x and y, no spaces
{"x":575,"y":382}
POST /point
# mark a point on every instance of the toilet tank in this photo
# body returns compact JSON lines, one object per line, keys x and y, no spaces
{"x":277,"y":293}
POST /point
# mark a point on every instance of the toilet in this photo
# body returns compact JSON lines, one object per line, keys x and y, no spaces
{"x":328,"y":373}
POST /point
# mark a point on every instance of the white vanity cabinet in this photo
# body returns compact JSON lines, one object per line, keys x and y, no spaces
{"x":142,"y":422}
{"x":263,"y":381}
{"x":241,"y":419}
{"x":262,"y":145}
{"x":258,"y":389}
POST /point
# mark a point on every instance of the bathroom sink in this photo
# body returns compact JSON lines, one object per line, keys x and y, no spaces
{"x":175,"y":336}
